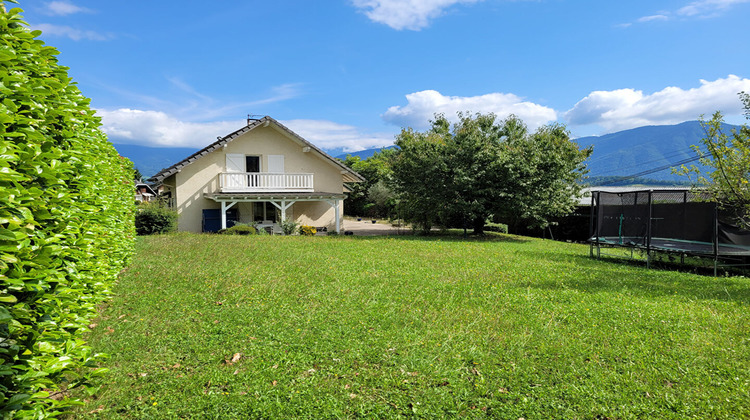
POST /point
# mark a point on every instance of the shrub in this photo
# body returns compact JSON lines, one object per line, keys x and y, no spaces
{"x":306,"y":230}
{"x":496,"y":227}
{"x":289,"y":227}
{"x":155,"y":218}
{"x":66,"y":226}
{"x":239,"y":229}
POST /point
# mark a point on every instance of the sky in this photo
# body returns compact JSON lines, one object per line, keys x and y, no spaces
{"x":350,"y":74}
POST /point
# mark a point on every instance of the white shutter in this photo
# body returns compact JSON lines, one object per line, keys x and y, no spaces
{"x":235,"y":162}
{"x":276,"y":164}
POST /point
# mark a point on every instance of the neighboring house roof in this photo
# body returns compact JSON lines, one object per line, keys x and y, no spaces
{"x":349,"y":175}
{"x":149,"y":191}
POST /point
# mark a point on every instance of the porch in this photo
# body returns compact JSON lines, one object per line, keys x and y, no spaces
{"x":232,"y":182}
{"x":283,"y":201}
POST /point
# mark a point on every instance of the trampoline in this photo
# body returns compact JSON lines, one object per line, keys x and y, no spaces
{"x":669,"y":221}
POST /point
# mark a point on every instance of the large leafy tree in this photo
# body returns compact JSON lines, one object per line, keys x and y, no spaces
{"x":728,"y":157}
{"x":371,"y":197}
{"x":482,"y":168}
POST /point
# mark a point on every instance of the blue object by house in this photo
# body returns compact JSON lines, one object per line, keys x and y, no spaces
{"x":212,"y":219}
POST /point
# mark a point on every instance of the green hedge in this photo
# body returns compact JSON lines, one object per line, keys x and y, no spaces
{"x":66,"y":225}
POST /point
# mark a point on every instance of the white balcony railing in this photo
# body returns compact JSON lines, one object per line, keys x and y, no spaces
{"x":265,"y":182}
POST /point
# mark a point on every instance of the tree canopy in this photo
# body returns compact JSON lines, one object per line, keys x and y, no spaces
{"x":373,"y":197}
{"x":482,"y":168}
{"x":728,"y":157}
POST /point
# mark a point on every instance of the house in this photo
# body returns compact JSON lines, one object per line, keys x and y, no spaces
{"x":261,"y":174}
{"x":144,"y":192}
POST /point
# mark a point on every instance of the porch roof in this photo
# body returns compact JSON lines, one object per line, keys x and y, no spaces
{"x":275,"y":196}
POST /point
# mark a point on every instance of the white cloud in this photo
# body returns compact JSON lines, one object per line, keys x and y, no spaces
{"x":707,"y":8}
{"x":332,"y":135}
{"x":628,"y":108}
{"x":653,"y":18}
{"x":405,"y":14}
{"x":64,"y":8}
{"x":158,"y":129}
{"x":70,"y":32}
{"x":696,"y":9}
{"x":423,"y":105}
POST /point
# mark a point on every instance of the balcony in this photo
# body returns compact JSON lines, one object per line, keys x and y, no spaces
{"x":265,"y":182}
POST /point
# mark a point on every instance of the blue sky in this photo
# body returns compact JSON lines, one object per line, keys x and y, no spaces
{"x":348,"y":74}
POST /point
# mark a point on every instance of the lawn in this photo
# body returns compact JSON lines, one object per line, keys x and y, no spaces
{"x":208,"y":326}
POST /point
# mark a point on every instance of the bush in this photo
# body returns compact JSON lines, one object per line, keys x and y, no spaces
{"x":496,"y":227}
{"x":306,"y":230}
{"x":66,"y":226}
{"x":239,"y":229}
{"x":155,"y":218}
{"x":288,"y":227}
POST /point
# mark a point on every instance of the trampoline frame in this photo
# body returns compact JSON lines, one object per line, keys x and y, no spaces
{"x":715,"y":249}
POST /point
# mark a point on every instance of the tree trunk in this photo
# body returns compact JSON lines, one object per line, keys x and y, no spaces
{"x":479,"y":226}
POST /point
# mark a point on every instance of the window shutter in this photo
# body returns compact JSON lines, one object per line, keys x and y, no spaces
{"x":276,"y":163}
{"x":235,"y":162}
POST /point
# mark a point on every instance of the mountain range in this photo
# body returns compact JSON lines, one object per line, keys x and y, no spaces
{"x":643,"y":152}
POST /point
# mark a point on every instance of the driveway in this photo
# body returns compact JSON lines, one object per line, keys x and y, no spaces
{"x":367,"y":228}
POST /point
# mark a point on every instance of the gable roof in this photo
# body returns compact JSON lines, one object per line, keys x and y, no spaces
{"x":348,"y":174}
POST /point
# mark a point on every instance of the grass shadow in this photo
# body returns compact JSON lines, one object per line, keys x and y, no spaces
{"x":655,"y":282}
{"x":450,"y":236}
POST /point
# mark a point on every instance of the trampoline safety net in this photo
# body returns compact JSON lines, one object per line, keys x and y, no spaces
{"x":667,"y":220}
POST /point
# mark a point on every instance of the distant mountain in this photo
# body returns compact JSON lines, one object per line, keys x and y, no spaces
{"x":639,"y":151}
{"x":365,"y":154}
{"x":150,"y":160}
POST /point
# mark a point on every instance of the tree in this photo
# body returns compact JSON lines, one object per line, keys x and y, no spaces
{"x":420,"y":175}
{"x":376,"y":170}
{"x":728,"y":156}
{"x":542,"y":174}
{"x":482,"y":168}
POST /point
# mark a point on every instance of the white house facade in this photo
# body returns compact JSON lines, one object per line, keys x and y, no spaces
{"x":261,"y":174}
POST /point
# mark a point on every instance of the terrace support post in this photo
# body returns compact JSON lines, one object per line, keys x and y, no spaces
{"x":283,"y":206}
{"x":224,"y":207}
{"x":338,"y":216}
{"x":337,"y":213}
{"x":648,"y":228}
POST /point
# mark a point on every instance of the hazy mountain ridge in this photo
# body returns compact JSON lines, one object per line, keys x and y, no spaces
{"x":150,"y":160}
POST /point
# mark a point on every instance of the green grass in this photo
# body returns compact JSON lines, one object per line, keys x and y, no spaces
{"x":341,"y":327}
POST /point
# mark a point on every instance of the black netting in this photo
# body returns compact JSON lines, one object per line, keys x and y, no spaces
{"x":677,"y":220}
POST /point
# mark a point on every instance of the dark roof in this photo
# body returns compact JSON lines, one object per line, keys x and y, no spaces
{"x":349,"y":175}
{"x":138,"y":186}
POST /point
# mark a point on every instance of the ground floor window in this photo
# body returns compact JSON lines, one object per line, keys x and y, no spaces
{"x":264,"y":210}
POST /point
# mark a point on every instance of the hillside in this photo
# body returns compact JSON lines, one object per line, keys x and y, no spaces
{"x":642,"y":149}
{"x":150,"y":160}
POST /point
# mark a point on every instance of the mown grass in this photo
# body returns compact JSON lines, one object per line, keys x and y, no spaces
{"x":339,"y":327}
